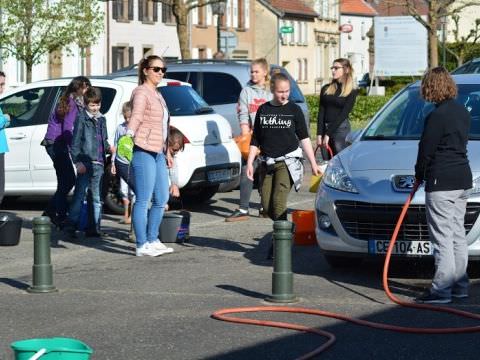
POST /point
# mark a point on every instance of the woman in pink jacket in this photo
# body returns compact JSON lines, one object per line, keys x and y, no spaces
{"x":149,"y":127}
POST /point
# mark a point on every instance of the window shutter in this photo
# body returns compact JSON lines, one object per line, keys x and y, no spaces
{"x":164,"y":13}
{"x":114,"y":58}
{"x":140,"y":10}
{"x":209,"y":15}
{"x":194,"y":13}
{"x":247,"y":13}
{"x":115,"y":10}
{"x":235,"y":13}
{"x":130,"y":9}
{"x":155,"y":11}
{"x":228,"y":13}
{"x":130,"y":55}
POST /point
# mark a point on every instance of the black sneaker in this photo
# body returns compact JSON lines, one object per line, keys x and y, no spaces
{"x":238,"y":215}
{"x":430,"y":298}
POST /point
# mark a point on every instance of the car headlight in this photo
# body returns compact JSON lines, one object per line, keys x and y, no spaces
{"x":336,"y":177}
{"x":476,"y":186}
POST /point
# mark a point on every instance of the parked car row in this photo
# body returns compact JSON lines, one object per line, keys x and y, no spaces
{"x":210,"y":157}
{"x":201,"y":96}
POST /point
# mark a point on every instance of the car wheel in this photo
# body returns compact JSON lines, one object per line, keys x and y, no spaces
{"x":336,"y":261}
{"x":111,"y":190}
{"x":198,"y":195}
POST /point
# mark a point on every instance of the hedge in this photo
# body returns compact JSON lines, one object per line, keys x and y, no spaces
{"x":364,"y":109}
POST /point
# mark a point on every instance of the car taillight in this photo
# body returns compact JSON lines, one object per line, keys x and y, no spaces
{"x":174,"y":83}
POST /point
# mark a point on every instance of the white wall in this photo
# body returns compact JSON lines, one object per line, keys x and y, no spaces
{"x":354,"y":45}
{"x":163,"y":38}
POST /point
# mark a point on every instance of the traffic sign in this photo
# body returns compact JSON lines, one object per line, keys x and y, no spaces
{"x":286,"y":30}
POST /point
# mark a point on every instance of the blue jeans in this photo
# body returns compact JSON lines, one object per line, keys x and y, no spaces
{"x":151,"y":184}
{"x":62,"y":163}
{"x":91,"y":179}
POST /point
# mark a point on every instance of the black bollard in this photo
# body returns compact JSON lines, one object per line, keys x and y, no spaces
{"x":42,"y":266}
{"x":282,"y":277}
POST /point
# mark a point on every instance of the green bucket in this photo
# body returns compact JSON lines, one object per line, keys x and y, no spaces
{"x":55,"y":349}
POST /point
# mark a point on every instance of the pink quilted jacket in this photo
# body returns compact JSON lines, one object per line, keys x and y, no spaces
{"x":147,"y":118}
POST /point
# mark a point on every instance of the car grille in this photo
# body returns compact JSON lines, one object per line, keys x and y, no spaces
{"x":367,"y":221}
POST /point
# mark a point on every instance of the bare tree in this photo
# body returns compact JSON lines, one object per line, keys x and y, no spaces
{"x":436,"y":10}
{"x":463,"y":43}
{"x":180,"y":11}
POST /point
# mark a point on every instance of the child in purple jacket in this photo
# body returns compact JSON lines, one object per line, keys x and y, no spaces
{"x":57,"y":142}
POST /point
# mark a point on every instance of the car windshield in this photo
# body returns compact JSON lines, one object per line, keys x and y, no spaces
{"x":472,"y":67}
{"x":403,"y":117}
{"x":182,"y":100}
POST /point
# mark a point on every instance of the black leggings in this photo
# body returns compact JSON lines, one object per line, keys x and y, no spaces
{"x":337,"y":141}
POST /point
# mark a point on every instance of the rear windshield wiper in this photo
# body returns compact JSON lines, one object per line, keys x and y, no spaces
{"x":204,"y":110}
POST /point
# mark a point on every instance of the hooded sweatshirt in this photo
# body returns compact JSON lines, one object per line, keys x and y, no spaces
{"x":251,"y":97}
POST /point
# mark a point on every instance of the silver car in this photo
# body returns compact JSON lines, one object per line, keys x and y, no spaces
{"x":365,"y":186}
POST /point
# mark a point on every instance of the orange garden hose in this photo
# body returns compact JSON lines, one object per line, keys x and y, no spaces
{"x":223,"y":313}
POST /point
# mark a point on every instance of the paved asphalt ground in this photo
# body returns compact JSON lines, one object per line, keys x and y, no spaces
{"x":159,"y":308}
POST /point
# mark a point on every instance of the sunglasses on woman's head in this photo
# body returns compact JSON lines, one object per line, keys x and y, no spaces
{"x":158,"y":68}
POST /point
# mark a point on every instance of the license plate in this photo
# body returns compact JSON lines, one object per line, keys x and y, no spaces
{"x":218,"y":175}
{"x":401,"y":247}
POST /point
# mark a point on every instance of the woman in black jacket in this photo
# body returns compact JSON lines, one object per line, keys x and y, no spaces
{"x":443,"y":165}
{"x":336,"y":102}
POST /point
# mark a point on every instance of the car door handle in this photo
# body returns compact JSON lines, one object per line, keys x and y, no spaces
{"x":18,"y":136}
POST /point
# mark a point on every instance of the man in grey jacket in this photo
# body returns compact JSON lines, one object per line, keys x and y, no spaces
{"x":251,"y":97}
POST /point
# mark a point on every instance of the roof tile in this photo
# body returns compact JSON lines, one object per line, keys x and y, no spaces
{"x":293,"y":7}
{"x":356,"y":7}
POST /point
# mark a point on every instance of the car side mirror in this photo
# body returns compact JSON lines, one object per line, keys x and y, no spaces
{"x":352,"y":137}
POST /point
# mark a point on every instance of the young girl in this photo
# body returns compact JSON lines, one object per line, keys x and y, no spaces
{"x":121,"y":165}
{"x":57,"y":142}
{"x":252,"y":96}
{"x":336,"y":102}
{"x":279,"y":127}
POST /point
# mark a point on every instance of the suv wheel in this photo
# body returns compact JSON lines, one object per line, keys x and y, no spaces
{"x":198,"y":195}
{"x":111,"y":190}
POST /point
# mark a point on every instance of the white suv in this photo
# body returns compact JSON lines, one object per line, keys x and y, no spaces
{"x":210,"y":158}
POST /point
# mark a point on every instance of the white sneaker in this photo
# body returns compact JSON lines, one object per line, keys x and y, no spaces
{"x":147,"y":250}
{"x":158,"y":245}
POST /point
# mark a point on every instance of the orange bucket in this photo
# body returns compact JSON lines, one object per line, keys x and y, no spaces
{"x":304,"y":221}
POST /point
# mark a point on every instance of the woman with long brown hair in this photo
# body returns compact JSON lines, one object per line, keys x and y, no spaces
{"x":443,"y":165}
{"x":57,"y":142}
{"x":337,"y":99}
{"x":148,"y":126}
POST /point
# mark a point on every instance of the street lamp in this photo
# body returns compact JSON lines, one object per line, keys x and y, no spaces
{"x":218,"y":8}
